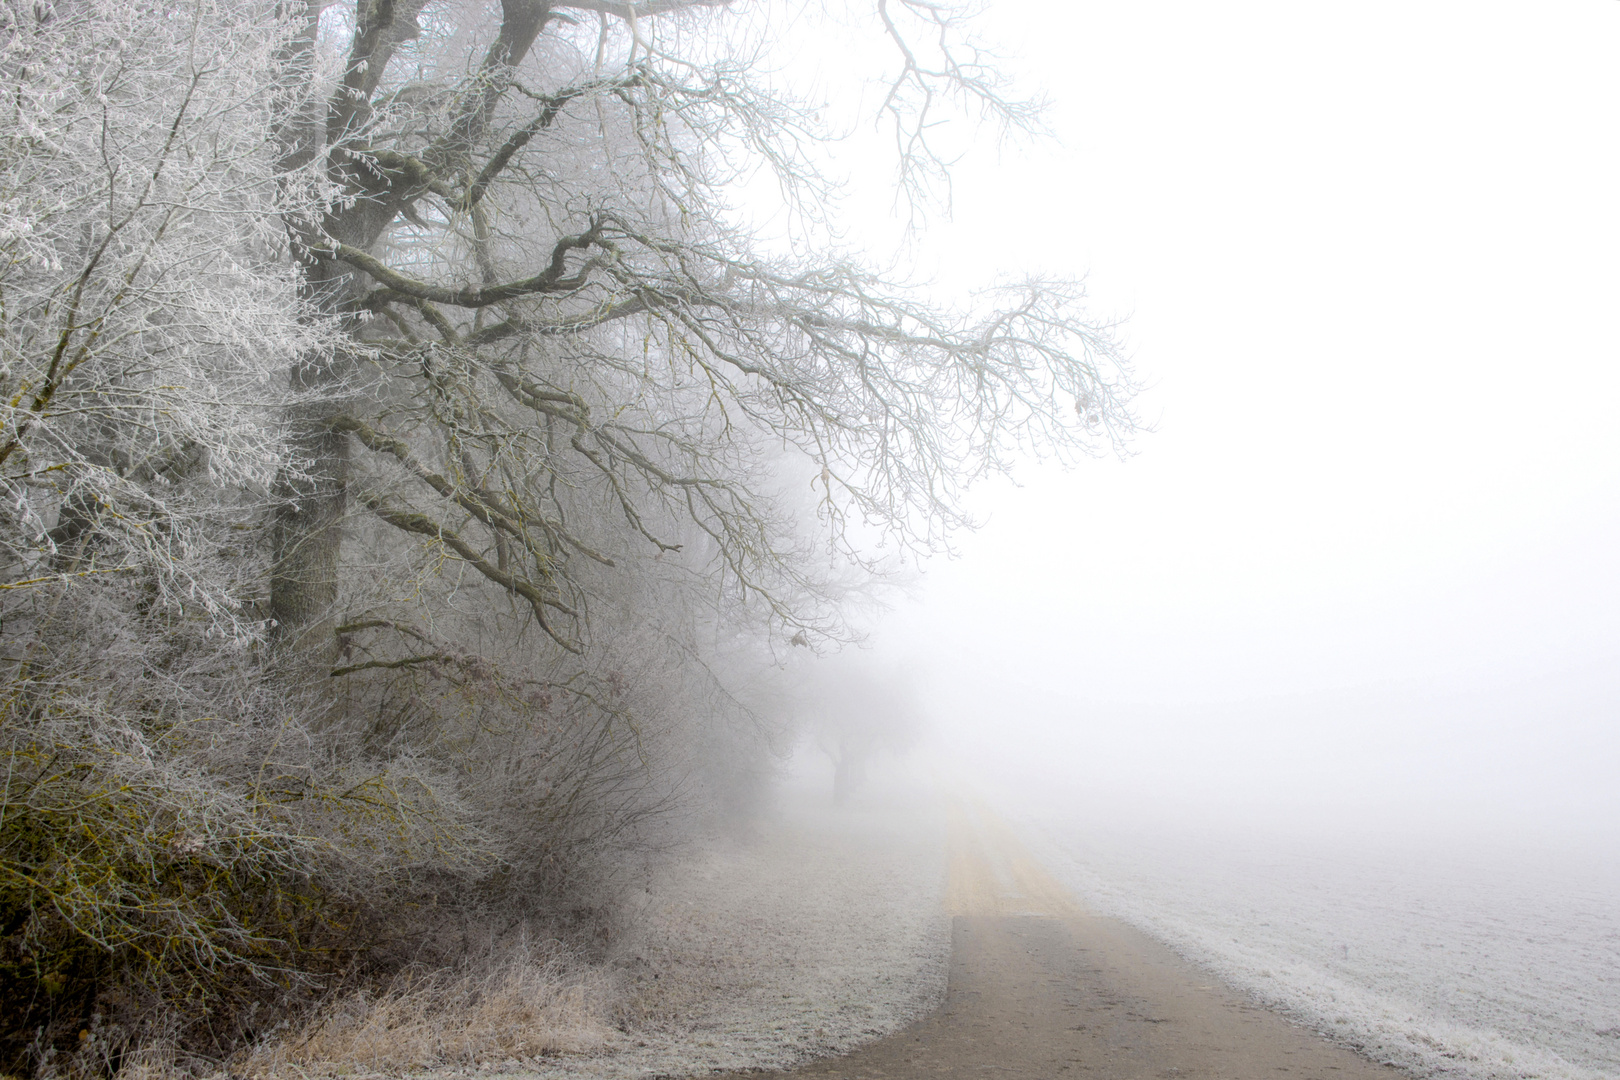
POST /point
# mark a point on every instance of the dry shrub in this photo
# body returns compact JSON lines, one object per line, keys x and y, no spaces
{"x":135,"y":884}
{"x":175,"y":875}
{"x":531,"y":1003}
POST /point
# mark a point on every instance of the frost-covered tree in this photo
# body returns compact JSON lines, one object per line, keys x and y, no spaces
{"x":148,"y":310}
{"x":564,"y":357}
{"x":581,"y":430}
{"x":856,"y":711}
{"x":148,"y":314}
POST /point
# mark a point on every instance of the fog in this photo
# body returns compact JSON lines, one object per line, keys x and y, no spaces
{"x":453,"y":449}
{"x":1361,"y":571}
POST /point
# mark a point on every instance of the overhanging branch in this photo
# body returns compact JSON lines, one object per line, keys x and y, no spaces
{"x":553,"y":279}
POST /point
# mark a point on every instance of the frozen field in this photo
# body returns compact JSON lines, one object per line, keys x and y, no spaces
{"x":1478,"y":960}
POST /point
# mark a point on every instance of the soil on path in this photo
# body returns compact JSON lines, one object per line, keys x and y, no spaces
{"x":1040,"y":988}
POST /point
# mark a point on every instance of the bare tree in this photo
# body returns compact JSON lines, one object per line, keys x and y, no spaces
{"x":855,"y":711}
{"x":549,"y":314}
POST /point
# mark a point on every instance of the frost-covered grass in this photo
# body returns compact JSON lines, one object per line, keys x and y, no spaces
{"x":530,"y":1004}
{"x":1446,"y":959}
{"x":820,"y":931}
{"x":811,"y":932}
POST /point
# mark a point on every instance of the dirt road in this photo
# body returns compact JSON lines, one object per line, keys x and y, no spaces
{"x":1041,"y":988}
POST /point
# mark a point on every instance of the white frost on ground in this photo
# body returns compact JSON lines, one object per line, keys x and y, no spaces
{"x":1447,"y":962}
{"x":823,"y":930}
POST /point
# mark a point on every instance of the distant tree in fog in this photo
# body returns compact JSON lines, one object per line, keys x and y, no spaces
{"x":855,"y":712}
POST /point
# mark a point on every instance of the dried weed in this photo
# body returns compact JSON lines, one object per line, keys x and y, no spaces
{"x":531,"y":1005}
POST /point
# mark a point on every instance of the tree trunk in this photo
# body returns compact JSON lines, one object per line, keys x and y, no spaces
{"x":310,"y":504}
{"x":312,"y":497}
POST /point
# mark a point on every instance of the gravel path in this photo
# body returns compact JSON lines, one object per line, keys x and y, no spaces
{"x":824,"y":930}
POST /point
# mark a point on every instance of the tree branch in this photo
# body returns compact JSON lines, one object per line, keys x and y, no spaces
{"x":549,"y":280}
{"x":633,"y":12}
{"x":480,"y":507}
{"x":423,"y":525}
{"x":408,"y":661}
{"x":380,"y":25}
{"x":551,"y":105}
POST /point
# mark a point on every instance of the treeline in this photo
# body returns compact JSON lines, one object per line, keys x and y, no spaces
{"x":412,"y":480}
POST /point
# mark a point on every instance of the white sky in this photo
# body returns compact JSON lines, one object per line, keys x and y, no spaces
{"x":1370,"y":255}
{"x":1370,"y":259}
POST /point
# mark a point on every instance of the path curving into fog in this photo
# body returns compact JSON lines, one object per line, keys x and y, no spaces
{"x":1041,"y":988}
